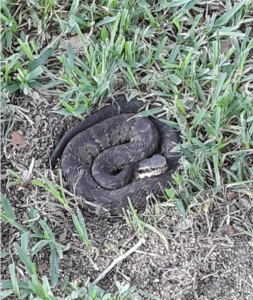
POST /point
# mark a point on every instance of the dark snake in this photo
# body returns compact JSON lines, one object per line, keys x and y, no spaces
{"x":91,"y":149}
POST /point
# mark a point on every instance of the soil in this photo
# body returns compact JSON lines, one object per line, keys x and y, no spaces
{"x":208,"y":255}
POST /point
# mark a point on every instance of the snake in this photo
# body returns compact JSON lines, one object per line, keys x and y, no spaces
{"x":116,"y":155}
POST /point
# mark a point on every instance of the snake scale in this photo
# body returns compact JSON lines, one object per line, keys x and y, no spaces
{"x":90,"y":149}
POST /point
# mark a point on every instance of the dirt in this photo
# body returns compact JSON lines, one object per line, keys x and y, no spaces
{"x":209,"y":255}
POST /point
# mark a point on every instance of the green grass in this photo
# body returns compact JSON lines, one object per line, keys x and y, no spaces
{"x":171,"y":51}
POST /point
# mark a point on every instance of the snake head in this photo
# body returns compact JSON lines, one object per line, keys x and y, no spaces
{"x":152,"y":166}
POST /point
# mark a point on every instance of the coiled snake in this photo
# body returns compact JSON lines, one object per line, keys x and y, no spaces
{"x":103,"y":173}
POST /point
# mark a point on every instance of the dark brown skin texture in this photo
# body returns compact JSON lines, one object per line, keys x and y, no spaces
{"x":138,"y":138}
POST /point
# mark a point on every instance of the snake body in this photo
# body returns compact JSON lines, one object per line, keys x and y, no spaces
{"x":90,"y":150}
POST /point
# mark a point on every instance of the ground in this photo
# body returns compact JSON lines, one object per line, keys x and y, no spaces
{"x":206,"y":255}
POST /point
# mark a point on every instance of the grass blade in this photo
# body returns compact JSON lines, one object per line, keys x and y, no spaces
{"x":26,"y":260}
{"x":24,"y":240}
{"x":14,"y":279}
{"x":159,"y":49}
{"x":54,"y":265}
{"x":5,"y":294}
{"x":80,"y":227}
{"x":198,"y":118}
{"x":41,"y":59}
{"x":224,"y":18}
{"x":7,"y":208}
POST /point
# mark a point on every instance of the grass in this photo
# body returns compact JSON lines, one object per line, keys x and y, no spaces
{"x":170,"y":51}
{"x":34,"y":239}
